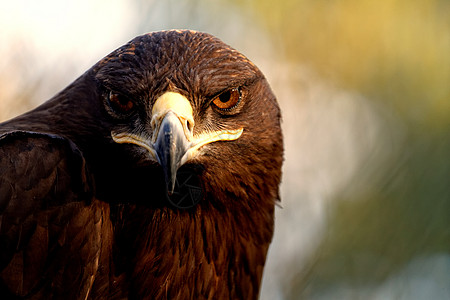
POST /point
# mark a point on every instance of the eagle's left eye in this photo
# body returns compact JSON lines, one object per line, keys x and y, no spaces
{"x":228,"y":99}
{"x":119,"y":103}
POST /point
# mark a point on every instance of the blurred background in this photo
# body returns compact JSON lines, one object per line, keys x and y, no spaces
{"x":364,"y":88}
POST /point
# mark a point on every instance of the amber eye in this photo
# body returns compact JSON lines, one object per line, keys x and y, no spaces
{"x":228,"y":100}
{"x":119,"y":103}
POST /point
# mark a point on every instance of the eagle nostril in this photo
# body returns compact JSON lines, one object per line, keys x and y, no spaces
{"x":189,"y":126}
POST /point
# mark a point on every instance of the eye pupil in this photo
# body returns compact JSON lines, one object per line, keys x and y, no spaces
{"x":228,"y":100}
{"x":224,"y":97}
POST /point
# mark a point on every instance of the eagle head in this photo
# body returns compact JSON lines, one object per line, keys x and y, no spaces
{"x":188,"y":107}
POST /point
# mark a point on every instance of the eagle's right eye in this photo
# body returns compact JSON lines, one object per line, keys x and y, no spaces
{"x":120,"y":104}
{"x":228,"y":99}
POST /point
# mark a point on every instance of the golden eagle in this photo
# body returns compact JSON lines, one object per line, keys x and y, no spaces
{"x":153,"y":176}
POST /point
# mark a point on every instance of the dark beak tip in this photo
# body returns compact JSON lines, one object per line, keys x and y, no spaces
{"x":188,"y":190}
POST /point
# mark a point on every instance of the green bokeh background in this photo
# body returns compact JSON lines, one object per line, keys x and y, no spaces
{"x":397,"y":54}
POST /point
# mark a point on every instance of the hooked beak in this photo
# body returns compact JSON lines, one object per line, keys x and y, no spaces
{"x":173,"y":142}
{"x":170,"y":146}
